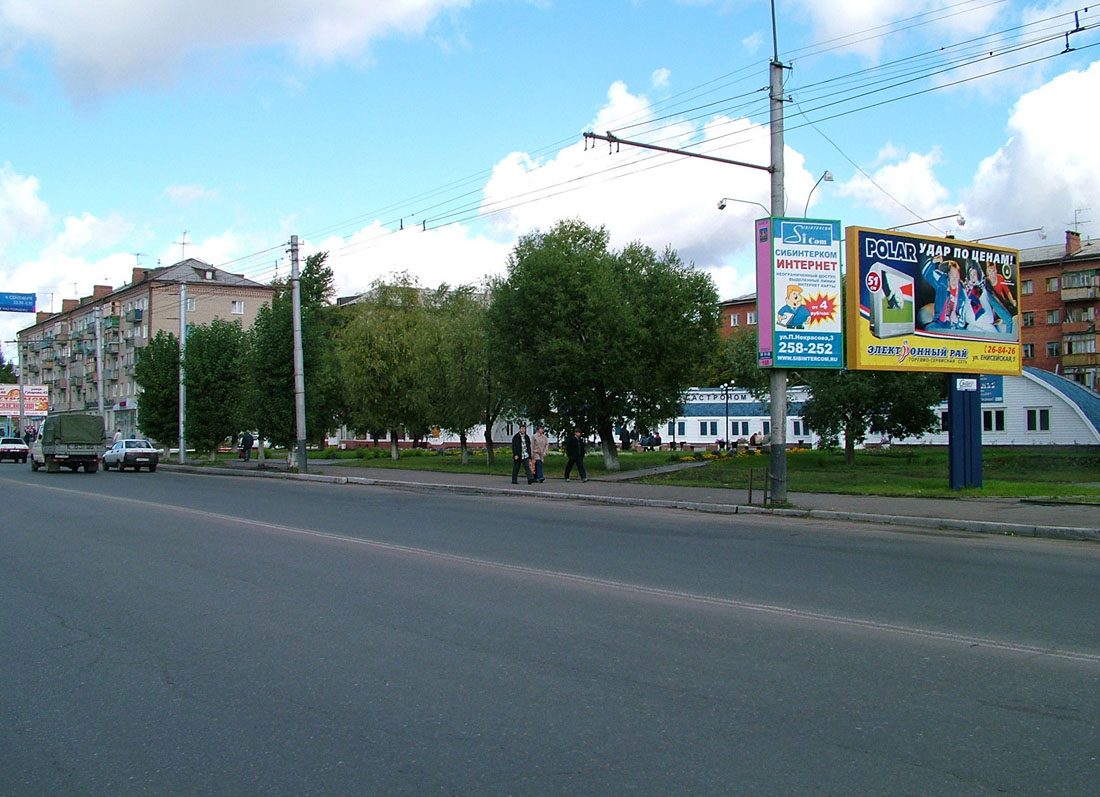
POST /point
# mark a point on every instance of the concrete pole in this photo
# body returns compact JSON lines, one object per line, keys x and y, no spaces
{"x":183,"y":389}
{"x":299,"y":367}
{"x":778,"y":380}
{"x":99,"y":363}
{"x":22,"y":400}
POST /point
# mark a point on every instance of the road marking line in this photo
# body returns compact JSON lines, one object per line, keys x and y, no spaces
{"x":619,"y":586}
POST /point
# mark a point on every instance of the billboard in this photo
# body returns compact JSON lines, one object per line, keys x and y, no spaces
{"x":931,"y":304}
{"x":798,"y":290}
{"x":36,"y":400}
{"x":17,"y":302}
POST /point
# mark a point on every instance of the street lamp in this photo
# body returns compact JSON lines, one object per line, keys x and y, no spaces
{"x":1042,"y":234}
{"x":722,"y":203}
{"x":726,"y":391}
{"x":827,"y":176}
{"x":957,"y":216}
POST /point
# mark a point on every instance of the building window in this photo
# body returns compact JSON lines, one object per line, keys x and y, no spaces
{"x":1052,"y":284}
{"x":1038,"y":420}
{"x":1054,"y":316}
{"x":767,"y":427}
{"x":702,"y":428}
{"x":671,"y":424}
{"x":945,"y":421}
{"x":1028,"y":319}
{"x":1052,"y":348}
{"x":238,"y":307}
{"x":190,"y":305}
{"x":993,"y":420}
{"x":799,"y":429}
{"x":681,"y":428}
{"x":1027,"y":288}
{"x":1081,"y":344}
{"x":1029,"y":351}
{"x":745,"y":428}
{"x":735,"y":319}
{"x":750,"y":318}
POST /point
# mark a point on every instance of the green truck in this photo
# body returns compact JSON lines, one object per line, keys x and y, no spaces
{"x":69,"y":441}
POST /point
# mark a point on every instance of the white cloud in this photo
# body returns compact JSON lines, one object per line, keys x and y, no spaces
{"x":453,"y":255}
{"x":857,"y":24}
{"x":112,"y":44}
{"x":188,"y":194}
{"x":1048,"y":167}
{"x":660,"y":78}
{"x":22,"y":214}
{"x":753,"y":42}
{"x":910,"y":182}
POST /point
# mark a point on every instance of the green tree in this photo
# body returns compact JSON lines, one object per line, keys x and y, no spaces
{"x":383,"y":354}
{"x":213,"y":365}
{"x":7,"y":372}
{"x":599,"y":337}
{"x":270,"y":360}
{"x":157,"y":373}
{"x":854,"y":403}
{"x":739,"y":359}
{"x":458,"y":359}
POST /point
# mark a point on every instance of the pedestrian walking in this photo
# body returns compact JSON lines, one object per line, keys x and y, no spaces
{"x":246,"y":446}
{"x":574,"y":449}
{"x":540,"y":444}
{"x":521,"y":453}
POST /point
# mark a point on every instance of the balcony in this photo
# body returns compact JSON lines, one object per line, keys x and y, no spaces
{"x":134,"y":316}
{"x":110,"y":374}
{"x":1078,"y":327}
{"x":61,"y":337}
{"x":1091,"y":359}
{"x":111,"y":348}
{"x":76,"y":380}
{"x":34,"y":368}
{"x":110,"y":322}
{"x":1087,"y":293}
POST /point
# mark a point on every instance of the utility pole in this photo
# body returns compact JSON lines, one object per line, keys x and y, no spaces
{"x":183,"y":389}
{"x":778,"y":377}
{"x":99,"y":362}
{"x":299,"y":368}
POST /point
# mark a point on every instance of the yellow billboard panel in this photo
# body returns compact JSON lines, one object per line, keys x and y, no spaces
{"x":917,"y":303}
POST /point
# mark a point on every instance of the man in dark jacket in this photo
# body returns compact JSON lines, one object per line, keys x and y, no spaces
{"x":521,"y":452}
{"x":574,"y":449}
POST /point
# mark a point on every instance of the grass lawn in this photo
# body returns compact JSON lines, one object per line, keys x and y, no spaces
{"x":1054,"y":472}
{"x":1035,"y":472}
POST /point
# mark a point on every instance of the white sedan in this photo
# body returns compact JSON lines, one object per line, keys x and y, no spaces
{"x":14,"y":449}
{"x":136,"y":454}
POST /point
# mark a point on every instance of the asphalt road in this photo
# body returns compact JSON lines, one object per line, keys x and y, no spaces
{"x":176,"y":633}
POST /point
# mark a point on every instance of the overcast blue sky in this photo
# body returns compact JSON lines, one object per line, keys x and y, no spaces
{"x":127,"y":122}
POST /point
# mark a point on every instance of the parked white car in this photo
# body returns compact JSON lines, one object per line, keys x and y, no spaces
{"x":136,"y":454}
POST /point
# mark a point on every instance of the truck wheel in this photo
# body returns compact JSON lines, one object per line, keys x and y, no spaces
{"x":91,"y":467}
{"x":52,"y":467}
{"x":152,"y":468}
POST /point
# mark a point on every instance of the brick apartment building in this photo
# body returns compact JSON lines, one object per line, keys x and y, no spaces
{"x":1059,"y":305}
{"x":85,"y":354}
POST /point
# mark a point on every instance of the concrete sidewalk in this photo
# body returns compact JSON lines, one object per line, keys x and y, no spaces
{"x":1021,"y":517}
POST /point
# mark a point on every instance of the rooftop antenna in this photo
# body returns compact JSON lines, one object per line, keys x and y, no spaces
{"x":137,"y":257}
{"x":183,"y":246}
{"x":1077,"y":219}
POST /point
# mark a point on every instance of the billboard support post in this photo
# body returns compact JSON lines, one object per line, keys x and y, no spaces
{"x":964,"y":409}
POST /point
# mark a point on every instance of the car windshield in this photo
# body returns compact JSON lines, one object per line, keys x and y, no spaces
{"x":11,"y":441}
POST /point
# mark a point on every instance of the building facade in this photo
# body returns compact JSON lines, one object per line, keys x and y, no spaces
{"x":85,"y":354}
{"x":1059,"y":305}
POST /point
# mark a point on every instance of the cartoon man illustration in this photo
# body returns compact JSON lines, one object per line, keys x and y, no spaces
{"x":945,"y":277}
{"x":794,"y":314}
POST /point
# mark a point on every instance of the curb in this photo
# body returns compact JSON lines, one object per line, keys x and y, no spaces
{"x":946,"y":524}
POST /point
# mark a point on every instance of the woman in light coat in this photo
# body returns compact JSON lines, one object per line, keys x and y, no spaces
{"x":540,"y":444}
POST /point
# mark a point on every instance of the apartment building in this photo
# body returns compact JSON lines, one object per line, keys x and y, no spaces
{"x":1059,"y":304}
{"x":85,"y":354}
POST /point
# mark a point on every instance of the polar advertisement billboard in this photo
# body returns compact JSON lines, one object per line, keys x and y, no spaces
{"x":798,"y":288}
{"x":931,"y":304}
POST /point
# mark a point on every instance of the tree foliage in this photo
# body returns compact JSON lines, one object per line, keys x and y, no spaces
{"x":213,"y":365}
{"x":458,"y":361}
{"x":7,"y":371}
{"x":854,"y":403}
{"x":384,"y":356}
{"x":269,"y":374}
{"x":157,"y":373}
{"x":597,"y":337}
